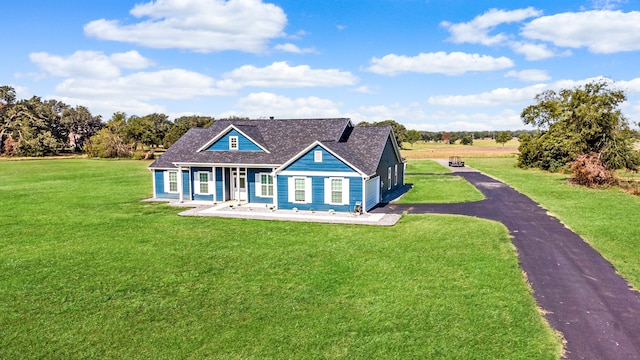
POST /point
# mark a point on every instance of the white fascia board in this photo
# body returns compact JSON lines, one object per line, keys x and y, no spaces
{"x":320,"y":173}
{"x":308,"y":148}
{"x":226,"y":165}
{"x":225,"y":131}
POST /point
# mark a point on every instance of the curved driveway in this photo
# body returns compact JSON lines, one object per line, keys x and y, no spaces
{"x":580,"y":292}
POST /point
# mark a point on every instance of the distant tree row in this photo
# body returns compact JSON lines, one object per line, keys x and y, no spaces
{"x":36,"y":127}
{"x":137,"y":136}
{"x":452,"y":137}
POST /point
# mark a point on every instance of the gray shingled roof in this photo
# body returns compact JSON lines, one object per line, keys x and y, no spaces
{"x":283,"y":139}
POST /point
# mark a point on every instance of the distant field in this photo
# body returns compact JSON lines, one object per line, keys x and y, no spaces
{"x":88,"y":271}
{"x":480,"y":148}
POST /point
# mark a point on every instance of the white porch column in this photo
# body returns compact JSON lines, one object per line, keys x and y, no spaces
{"x":180,"y":195}
{"x":238,"y":184}
{"x":215,"y":191}
{"x":275,"y":189}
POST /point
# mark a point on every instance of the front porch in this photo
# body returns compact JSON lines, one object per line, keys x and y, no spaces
{"x":256,"y":211}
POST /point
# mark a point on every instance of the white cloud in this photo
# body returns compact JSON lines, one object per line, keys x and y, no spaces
{"x":533,"y":52}
{"x":477,"y":30}
{"x":281,"y":75}
{"x":262,"y":104}
{"x":455,"y":63}
{"x":292,"y":48}
{"x":531,"y":75}
{"x":106,"y":107}
{"x":131,"y":60}
{"x":365,"y":90}
{"x":607,"y":4}
{"x":165,"y":84}
{"x":198,"y":25}
{"x":601,"y":32}
{"x":496,"y":97}
{"x":90,"y":64}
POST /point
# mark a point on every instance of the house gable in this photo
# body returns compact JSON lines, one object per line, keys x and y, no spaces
{"x":233,"y":139}
{"x":317,"y":158}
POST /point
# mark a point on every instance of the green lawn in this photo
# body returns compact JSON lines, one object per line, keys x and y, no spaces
{"x":432,"y":185}
{"x":607,"y":219}
{"x":88,"y":271}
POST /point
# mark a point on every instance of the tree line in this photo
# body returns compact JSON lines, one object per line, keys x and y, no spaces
{"x":36,"y":127}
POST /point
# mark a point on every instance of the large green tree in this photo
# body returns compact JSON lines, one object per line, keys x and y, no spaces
{"x":583,"y":120}
{"x":182,"y":124}
{"x":503,"y":137}
{"x":413,"y":136}
{"x":80,"y":125}
{"x":399,"y":130}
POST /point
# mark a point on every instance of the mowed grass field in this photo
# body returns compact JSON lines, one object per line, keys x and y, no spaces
{"x":485,"y":148}
{"x":89,"y":271}
{"x":433,"y":183}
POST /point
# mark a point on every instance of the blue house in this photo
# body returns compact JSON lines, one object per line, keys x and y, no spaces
{"x":318,"y":164}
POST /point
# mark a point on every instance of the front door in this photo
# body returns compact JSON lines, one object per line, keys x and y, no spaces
{"x":241,"y":190}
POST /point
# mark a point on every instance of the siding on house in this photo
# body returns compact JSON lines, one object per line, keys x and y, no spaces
{"x":318,"y":195}
{"x":329,"y":162}
{"x":307,"y":167}
{"x":244,"y":144}
{"x":389,"y":160}
{"x":160,"y":185}
{"x":252,"y":187}
{"x":201,"y":197}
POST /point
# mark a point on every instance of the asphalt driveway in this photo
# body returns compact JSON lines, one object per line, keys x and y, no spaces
{"x":580,"y":292}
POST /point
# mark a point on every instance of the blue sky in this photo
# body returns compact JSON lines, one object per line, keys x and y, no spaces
{"x":428,"y":64}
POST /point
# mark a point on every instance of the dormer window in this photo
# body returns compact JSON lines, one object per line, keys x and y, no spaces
{"x":233,"y":143}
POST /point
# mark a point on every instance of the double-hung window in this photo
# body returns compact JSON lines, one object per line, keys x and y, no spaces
{"x":336,"y":191}
{"x":171,"y":179}
{"x":264,"y":185}
{"x":202,"y":182}
{"x":389,"y":178}
{"x":395,"y":178}
{"x":300,"y":189}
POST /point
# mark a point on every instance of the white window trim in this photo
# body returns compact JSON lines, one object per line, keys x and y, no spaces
{"x":231,"y":142}
{"x":167,"y":186}
{"x":328,"y":198}
{"x":389,"y":178}
{"x":258,"y":185}
{"x":307,"y":190}
{"x":395,"y":179}
{"x":317,"y":156}
{"x":196,"y":183}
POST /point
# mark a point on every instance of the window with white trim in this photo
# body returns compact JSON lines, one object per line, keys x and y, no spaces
{"x":171,"y":182}
{"x":202,"y":183}
{"x":389,"y":178}
{"x":233,"y":143}
{"x":317,"y":156}
{"x":299,"y":188}
{"x":264,"y":185}
{"x":336,"y":191}
{"x":395,"y":179}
